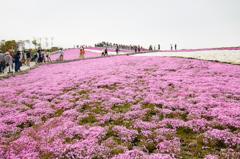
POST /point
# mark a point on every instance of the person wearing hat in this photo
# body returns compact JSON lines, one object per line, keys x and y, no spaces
{"x":9,"y":62}
{"x":2,"y":62}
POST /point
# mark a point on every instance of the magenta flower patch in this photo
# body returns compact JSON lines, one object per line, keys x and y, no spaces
{"x":122,"y":107}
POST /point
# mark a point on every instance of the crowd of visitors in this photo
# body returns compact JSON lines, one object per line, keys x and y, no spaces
{"x":115,"y":45}
{"x":8,"y":60}
{"x":40,"y":56}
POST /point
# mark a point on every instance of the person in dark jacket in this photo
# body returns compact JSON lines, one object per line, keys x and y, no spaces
{"x":39,"y":56}
{"x":106,"y":52}
{"x":117,"y":50}
{"x":17,"y":61}
{"x":28,"y":55}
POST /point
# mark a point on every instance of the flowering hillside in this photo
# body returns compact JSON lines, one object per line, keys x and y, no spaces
{"x":122,"y":107}
{"x":74,"y":54}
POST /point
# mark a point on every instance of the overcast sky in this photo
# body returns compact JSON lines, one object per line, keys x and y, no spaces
{"x":188,"y":23}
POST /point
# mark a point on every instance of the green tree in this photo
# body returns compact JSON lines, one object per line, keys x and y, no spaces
{"x":34,"y":42}
{"x":28,"y":41}
{"x":11,"y":44}
{"x":46,"y":42}
{"x":22,"y":44}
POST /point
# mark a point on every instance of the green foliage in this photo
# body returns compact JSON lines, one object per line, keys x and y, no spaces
{"x":116,"y":151}
{"x":82,"y":92}
{"x":184,"y":130}
{"x":151,"y":147}
{"x":54,"y":49}
{"x":29,"y":105}
{"x":6,"y":45}
{"x":90,"y":119}
{"x":59,"y":113}
{"x":34,"y":42}
{"x":44,"y":119}
{"x":118,"y":121}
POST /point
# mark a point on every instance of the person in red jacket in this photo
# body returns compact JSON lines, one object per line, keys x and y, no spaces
{"x":83,"y":52}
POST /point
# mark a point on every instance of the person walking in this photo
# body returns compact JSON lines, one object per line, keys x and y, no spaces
{"x":9,"y":62}
{"x":117,"y":50}
{"x":39,"y":56}
{"x":24,"y":57}
{"x":158,"y":46}
{"x":61,"y":54}
{"x":175,"y":46}
{"x":2,"y":62}
{"x":44,"y":56}
{"x":36,"y":56}
{"x":48,"y":55}
{"x":10,"y":53}
{"x":135,"y":48}
{"x":106,"y":52}
{"x":80,"y":54}
{"x":171,"y":46}
{"x":103,"y":52}
{"x":83,"y":52}
{"x":139,"y":48}
{"x":17,"y":61}
{"x":28,"y":55}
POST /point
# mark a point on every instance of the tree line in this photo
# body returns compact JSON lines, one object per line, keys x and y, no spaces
{"x":21,"y":44}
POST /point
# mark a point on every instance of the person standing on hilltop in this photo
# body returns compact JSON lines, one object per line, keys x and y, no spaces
{"x":139,"y":48}
{"x":158,"y":46}
{"x":171,"y":46}
{"x":175,"y":46}
{"x":80,"y":54}
{"x":106,"y":52}
{"x":83,"y":52}
{"x":61,"y":54}
{"x":117,"y":50}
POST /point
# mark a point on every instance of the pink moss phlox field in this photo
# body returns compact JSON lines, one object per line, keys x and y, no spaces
{"x":122,"y":107}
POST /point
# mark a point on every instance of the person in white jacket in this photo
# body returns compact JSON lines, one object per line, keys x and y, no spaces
{"x":9,"y":62}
